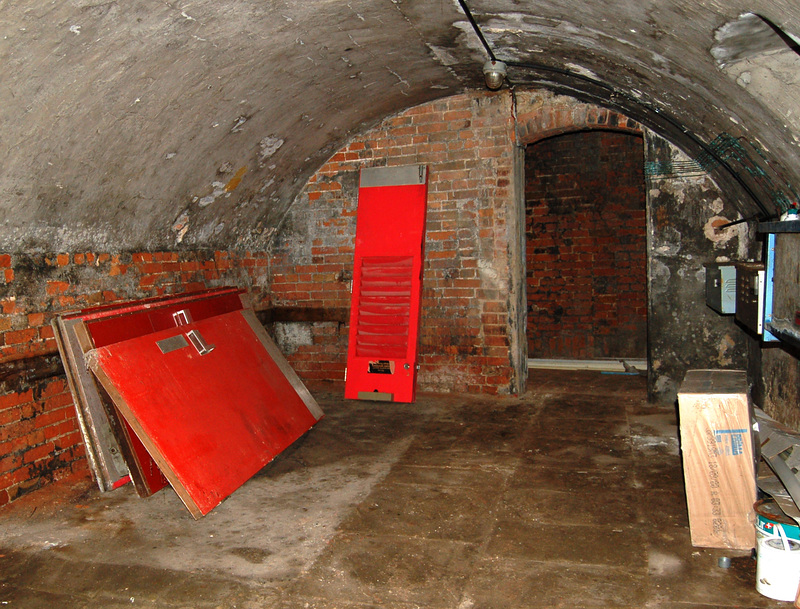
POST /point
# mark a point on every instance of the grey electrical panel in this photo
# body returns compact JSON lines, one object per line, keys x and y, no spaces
{"x":721,"y":287}
{"x":750,"y":295}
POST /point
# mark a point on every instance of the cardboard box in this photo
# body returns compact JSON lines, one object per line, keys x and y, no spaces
{"x":718,"y":458}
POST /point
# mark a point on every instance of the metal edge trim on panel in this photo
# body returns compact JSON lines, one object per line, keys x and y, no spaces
{"x":89,"y":408}
{"x":100,"y":477}
{"x":279,"y":359}
{"x":140,"y":483}
{"x":376,"y":396}
{"x":405,"y":175}
{"x":147,"y":304}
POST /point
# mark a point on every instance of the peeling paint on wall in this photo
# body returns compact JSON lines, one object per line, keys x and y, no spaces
{"x":726,"y":347}
{"x":181,"y":225}
{"x":719,"y":237}
{"x":683,"y":332}
{"x":490,"y":276}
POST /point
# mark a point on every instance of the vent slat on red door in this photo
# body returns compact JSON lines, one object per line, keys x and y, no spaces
{"x":384,"y":306}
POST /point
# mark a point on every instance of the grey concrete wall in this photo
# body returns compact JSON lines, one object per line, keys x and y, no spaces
{"x":683,"y":210}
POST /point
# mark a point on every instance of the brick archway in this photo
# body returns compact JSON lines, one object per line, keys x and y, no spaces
{"x":583,"y":305}
{"x":539,"y":121}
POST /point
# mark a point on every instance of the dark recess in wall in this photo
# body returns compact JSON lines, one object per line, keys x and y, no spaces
{"x":586,"y":232}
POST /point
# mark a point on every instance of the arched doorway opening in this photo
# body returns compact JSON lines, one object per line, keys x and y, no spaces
{"x":586,"y":244}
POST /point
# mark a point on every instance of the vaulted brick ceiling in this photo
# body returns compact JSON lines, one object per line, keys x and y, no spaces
{"x":117,"y":118}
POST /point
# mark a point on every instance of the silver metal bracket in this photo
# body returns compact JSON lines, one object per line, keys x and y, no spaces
{"x":182,"y":317}
{"x":199,"y":342}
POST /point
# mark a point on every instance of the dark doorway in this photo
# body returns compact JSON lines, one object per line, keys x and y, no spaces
{"x":586,"y":246}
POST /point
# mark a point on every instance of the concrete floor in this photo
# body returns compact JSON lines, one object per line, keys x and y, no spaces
{"x":570,"y":496}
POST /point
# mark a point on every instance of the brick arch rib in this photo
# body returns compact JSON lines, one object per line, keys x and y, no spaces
{"x":548,"y":121}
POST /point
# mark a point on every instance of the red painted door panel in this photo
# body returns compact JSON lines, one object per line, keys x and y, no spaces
{"x":113,"y":324}
{"x":213,"y":401}
{"x":137,"y":319}
{"x":387,"y":284}
{"x":121,"y":308}
{"x":116,"y":322}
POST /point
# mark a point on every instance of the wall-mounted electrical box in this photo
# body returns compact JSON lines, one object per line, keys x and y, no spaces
{"x":721,"y":287}
{"x":750,"y":286}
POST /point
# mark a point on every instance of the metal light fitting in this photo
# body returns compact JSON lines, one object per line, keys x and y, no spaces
{"x":494,"y":72}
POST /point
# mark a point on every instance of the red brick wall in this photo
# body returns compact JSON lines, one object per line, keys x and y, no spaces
{"x":467,"y":143}
{"x":585,"y":224}
{"x":39,"y":436}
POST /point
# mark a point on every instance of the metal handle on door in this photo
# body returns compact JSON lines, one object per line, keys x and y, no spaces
{"x":199,"y":343}
{"x":182,"y":317}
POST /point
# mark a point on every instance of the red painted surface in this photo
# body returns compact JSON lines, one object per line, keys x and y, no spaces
{"x":387,"y":286}
{"x":210,"y":421}
{"x":122,"y":321}
{"x":122,"y":308}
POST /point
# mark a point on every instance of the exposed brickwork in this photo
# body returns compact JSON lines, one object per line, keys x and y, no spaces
{"x":39,"y":440}
{"x":466,"y":141}
{"x":541,"y":116}
{"x":586,"y":227}
{"x":44,"y":285}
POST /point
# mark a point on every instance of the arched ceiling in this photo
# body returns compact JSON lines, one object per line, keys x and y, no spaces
{"x":123,"y":122}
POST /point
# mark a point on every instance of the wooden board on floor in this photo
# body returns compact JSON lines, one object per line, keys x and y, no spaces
{"x":213,"y":401}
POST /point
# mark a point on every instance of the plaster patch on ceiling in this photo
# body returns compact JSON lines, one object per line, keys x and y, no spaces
{"x":516,"y":36}
{"x":774,"y":80}
{"x":237,"y":125}
{"x":748,"y":36}
{"x":581,"y":70}
{"x":472,"y":42}
{"x":401,"y":81}
{"x":219,"y":189}
{"x":207,"y":231}
{"x":267,"y":147}
{"x":660,"y":60}
{"x":519,"y":25}
{"x":442,"y":55}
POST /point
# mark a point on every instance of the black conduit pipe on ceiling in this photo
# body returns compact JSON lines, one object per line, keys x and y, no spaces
{"x":648,"y":110}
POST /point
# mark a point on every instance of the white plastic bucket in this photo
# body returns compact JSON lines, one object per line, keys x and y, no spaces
{"x":778,"y":567}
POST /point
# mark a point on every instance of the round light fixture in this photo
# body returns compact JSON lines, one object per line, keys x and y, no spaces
{"x":495,"y":73}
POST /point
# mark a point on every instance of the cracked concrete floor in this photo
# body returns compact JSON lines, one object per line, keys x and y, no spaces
{"x":568,"y":496}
